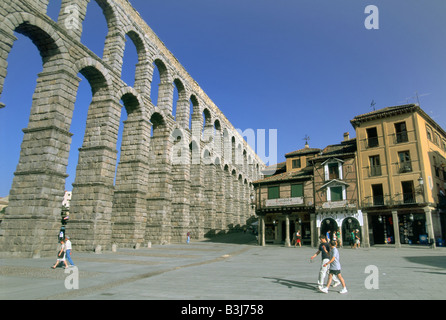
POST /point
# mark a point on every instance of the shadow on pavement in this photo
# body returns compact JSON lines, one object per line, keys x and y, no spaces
{"x":235,"y":238}
{"x":432,"y":261}
{"x":295,"y":284}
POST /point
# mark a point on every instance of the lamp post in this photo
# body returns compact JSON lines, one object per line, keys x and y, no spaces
{"x":421,"y":183}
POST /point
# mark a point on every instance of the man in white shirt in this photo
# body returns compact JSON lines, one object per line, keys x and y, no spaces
{"x":68,"y":250}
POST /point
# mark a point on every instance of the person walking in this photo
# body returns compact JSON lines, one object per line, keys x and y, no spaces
{"x":335,"y":268}
{"x":338,"y":237}
{"x":357,"y":240}
{"x":60,"y":256}
{"x":68,"y":250}
{"x":188,"y":238}
{"x":324,"y":250}
{"x":298,"y":239}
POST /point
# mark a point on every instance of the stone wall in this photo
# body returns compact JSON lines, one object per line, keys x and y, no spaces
{"x":171,"y":179}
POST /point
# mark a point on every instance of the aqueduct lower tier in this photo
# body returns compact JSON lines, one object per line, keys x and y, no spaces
{"x":173,"y":177}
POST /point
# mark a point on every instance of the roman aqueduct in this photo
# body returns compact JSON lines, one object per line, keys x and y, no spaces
{"x":172,"y":177}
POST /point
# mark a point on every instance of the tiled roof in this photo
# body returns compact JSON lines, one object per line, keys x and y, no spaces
{"x":384,"y":112}
{"x":336,"y":150}
{"x":303,"y":151}
{"x":306,"y":173}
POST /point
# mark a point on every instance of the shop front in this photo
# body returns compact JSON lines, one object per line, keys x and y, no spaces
{"x":341,"y":225}
{"x":413,"y":226}
{"x":280,"y":228}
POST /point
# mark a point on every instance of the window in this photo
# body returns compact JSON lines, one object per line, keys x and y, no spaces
{"x":295,"y":163}
{"x":405,"y":163}
{"x":408,"y":192}
{"x":336,"y":194}
{"x":377,"y":194}
{"x":429,"y":133}
{"x":401,"y":132}
{"x":375,"y":166}
{"x":297,"y":190}
{"x":372,"y":137}
{"x":437,"y":139}
{"x":273,"y":192}
{"x":333,"y":171}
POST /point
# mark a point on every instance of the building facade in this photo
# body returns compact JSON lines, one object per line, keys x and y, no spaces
{"x":285,"y":199}
{"x":402,"y":156}
{"x":387,"y":184}
{"x":337,"y":207}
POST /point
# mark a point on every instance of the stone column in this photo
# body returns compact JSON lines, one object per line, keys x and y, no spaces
{"x":430,"y":226}
{"x":181,"y":186}
{"x":71,"y":16}
{"x":159,"y":200}
{"x":365,"y":231}
{"x":165,"y":96}
{"x":396,"y":231}
{"x":262,"y":231}
{"x":220,"y":207}
{"x":32,"y":219}
{"x":92,"y":200}
{"x":209,"y":199}
{"x":287,"y":230}
{"x":129,"y":202}
{"x":228,"y":197}
{"x":183,"y":113}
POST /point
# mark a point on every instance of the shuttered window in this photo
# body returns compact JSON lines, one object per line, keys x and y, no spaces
{"x":297,"y":190}
{"x":336,"y":193}
{"x":273,"y":193}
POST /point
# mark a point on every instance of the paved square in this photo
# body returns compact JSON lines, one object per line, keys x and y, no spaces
{"x":227,"y":271}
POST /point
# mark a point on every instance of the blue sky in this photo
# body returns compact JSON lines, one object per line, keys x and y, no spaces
{"x":301,"y":67}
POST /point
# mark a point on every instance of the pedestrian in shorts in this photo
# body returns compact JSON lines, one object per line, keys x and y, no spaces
{"x":335,"y":268}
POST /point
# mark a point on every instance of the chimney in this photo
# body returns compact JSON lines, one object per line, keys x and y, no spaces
{"x":346,"y":136}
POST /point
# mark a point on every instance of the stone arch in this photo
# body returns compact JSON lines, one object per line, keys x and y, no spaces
{"x":43,"y":35}
{"x":180,"y":149}
{"x":328,"y":224}
{"x":180,"y":109}
{"x":96,"y":74}
{"x":115,"y":39}
{"x":157,"y":120}
{"x":165,"y":88}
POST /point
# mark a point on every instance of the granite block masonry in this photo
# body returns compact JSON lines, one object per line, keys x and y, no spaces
{"x":172,"y":177}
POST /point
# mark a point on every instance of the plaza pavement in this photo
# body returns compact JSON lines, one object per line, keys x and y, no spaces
{"x":227,"y":268}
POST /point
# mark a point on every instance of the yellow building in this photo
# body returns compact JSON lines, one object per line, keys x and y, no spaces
{"x":401,"y":158}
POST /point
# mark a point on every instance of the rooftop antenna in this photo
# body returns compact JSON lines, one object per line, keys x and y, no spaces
{"x":372,"y":105}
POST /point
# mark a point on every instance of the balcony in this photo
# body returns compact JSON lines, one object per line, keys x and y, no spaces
{"x":375,"y":171}
{"x":378,"y":200}
{"x":405,"y":166}
{"x":401,"y":137}
{"x":372,"y":142}
{"x":396,"y":200}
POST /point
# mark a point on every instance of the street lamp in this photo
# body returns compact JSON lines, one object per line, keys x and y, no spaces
{"x":253,"y":205}
{"x":421,"y":182}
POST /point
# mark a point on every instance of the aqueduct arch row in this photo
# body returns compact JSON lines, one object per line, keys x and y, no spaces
{"x":171,"y":178}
